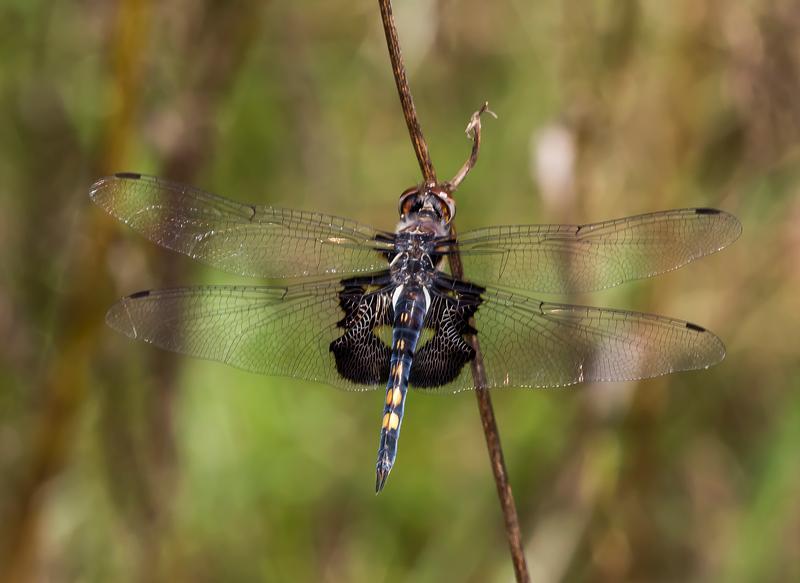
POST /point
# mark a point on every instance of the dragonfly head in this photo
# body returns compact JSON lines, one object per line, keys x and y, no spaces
{"x":426,"y":203}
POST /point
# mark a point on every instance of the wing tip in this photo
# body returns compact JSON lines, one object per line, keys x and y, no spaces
{"x":715,"y":348}
{"x":734,"y":230}
{"x":97,"y":188}
{"x":118,"y":317}
{"x":101,"y":185}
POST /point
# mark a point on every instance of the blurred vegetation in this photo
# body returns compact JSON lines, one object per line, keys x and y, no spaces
{"x":123,"y":463}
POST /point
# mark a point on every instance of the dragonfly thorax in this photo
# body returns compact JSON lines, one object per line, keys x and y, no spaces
{"x":413,"y":263}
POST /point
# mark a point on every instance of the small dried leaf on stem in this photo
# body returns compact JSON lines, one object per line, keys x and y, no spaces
{"x":473,"y":132}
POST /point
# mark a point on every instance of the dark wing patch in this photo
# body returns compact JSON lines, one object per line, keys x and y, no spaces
{"x":440,"y":360}
{"x":361,"y":356}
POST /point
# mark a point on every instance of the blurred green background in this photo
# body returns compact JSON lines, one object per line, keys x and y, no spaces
{"x":122,"y":463}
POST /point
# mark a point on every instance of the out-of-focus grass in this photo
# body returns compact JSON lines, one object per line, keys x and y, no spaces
{"x":123,"y":463}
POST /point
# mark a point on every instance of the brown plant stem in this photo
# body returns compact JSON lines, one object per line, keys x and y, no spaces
{"x":406,"y":101}
{"x":488,"y":420}
{"x":492,"y":434}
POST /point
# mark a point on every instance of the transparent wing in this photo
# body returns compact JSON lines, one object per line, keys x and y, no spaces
{"x":529,"y":343}
{"x":524,"y":342}
{"x":579,"y":258}
{"x":250,"y":240}
{"x":282,"y":331}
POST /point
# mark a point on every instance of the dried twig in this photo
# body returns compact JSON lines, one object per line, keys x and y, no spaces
{"x":479,"y":374}
{"x":406,"y":101}
{"x":473,"y":132}
{"x":485,"y":408}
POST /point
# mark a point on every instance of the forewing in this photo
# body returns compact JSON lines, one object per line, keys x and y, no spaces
{"x":529,"y":343}
{"x":282,"y":331}
{"x":249,"y":240}
{"x":580,"y":258}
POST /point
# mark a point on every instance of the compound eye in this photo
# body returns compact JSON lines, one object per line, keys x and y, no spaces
{"x":446,"y":207}
{"x":408,"y":199}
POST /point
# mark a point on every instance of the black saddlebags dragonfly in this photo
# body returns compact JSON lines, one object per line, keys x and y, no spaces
{"x":380,"y":309}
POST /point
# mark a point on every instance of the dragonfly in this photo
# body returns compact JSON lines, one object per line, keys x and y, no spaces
{"x":367,"y":309}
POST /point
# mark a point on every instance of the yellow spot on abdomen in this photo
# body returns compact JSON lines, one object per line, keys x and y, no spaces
{"x":386,"y":418}
{"x":389,"y":397}
{"x":394,"y":421}
{"x":397,"y":397}
{"x":401,"y":344}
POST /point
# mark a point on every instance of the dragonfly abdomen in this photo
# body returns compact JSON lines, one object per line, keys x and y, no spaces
{"x":410,"y":306}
